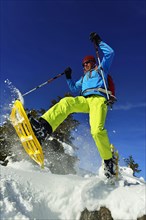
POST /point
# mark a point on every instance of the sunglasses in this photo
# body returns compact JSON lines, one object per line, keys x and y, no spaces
{"x":85,"y":63}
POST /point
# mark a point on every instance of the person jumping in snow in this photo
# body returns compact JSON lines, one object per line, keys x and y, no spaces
{"x":91,"y":100}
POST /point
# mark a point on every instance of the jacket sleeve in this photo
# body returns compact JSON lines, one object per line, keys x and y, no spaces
{"x":74,"y":86}
{"x":108,"y":54}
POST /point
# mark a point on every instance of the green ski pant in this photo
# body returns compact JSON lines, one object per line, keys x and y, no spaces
{"x":97,"y":109}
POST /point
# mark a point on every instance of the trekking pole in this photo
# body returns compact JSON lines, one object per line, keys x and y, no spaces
{"x":98,"y":58}
{"x":43,"y":84}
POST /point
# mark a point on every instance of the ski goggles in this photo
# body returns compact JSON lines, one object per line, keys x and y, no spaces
{"x":87,"y":62}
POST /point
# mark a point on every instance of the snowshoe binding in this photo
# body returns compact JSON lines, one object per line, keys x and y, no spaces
{"x":40,"y":127}
{"x":111,"y":168}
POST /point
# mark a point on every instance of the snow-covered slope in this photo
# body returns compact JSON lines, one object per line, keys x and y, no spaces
{"x":30,"y":193}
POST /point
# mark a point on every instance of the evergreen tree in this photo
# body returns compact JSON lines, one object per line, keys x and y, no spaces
{"x":132,"y":164}
{"x":56,"y":156}
{"x":8,"y":138}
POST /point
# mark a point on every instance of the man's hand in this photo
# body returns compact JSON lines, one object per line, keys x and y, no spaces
{"x":68,"y":72}
{"x":94,"y":37}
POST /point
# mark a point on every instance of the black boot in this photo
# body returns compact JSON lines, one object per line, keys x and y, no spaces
{"x":40,"y":127}
{"x":109,"y":168}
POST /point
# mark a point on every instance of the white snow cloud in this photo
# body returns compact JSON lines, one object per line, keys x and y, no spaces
{"x":129,"y":106}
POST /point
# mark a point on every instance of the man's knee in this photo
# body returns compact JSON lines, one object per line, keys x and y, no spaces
{"x":67,"y":101}
{"x":67,"y":104}
{"x":97,"y":132}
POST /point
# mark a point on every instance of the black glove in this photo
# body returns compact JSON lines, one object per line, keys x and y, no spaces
{"x":68,"y":72}
{"x":95,"y":38}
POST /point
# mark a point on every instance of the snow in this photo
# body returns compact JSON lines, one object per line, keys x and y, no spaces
{"x":9,"y":94}
{"x":29,"y":192}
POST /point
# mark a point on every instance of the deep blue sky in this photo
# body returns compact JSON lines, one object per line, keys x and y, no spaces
{"x":39,"y":39}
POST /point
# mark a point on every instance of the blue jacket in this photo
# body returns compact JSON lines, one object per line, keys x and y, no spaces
{"x":92,"y":80}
